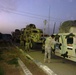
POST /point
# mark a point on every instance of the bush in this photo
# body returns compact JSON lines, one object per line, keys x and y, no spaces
{"x":13,"y":61}
{"x":1,"y":71}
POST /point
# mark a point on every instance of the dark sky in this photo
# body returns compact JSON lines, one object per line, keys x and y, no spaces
{"x":16,"y":14}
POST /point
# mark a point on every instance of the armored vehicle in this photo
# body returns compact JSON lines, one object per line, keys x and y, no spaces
{"x":33,"y":36}
{"x":67,"y":49}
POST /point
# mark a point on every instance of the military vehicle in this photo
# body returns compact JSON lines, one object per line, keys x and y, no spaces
{"x":33,"y":36}
{"x":22,"y":41}
{"x":67,"y":47}
{"x":16,"y":35}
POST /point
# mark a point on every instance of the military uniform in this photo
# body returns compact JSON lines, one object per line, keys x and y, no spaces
{"x":27,"y":44}
{"x":49,"y":43}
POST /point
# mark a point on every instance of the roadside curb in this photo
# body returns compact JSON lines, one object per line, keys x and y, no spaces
{"x":43,"y":67}
{"x":24,"y":68}
{"x":46,"y":69}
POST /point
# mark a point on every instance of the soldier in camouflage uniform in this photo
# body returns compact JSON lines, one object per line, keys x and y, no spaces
{"x":27,"y":45}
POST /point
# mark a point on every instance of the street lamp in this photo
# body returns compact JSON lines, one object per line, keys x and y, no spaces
{"x":45,"y":22}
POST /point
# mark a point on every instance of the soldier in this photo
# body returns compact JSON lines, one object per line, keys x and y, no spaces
{"x":49,"y":44}
{"x":43,"y":47}
{"x":21,"y":39}
{"x":27,"y":44}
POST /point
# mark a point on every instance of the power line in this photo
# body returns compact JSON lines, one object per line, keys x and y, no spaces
{"x":23,"y":14}
{"x":21,"y":11}
{"x":9,"y":8}
{"x":20,"y":14}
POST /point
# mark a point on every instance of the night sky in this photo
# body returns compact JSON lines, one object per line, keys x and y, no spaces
{"x":16,"y":14}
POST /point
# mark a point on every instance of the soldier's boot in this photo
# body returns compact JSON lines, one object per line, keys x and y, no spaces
{"x":49,"y":61}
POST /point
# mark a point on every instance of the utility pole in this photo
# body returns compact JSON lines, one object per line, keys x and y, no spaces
{"x":45,"y":21}
{"x":49,"y":20}
{"x":54,"y":27}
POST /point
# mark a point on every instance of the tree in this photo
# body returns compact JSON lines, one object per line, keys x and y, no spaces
{"x":0,"y":35}
{"x":66,"y":26}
